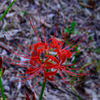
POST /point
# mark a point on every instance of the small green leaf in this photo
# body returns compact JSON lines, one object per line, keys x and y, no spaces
{"x":40,"y":83}
{"x":67,"y":30}
{"x":24,"y":13}
{"x":72,"y":25}
{"x":76,"y":31}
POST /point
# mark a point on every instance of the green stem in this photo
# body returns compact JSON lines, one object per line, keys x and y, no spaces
{"x":76,"y":94}
{"x":7,"y":10}
{"x":1,"y":88}
{"x":76,"y":48}
{"x":43,"y":86}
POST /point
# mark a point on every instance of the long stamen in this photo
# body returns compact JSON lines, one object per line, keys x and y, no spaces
{"x":30,"y":77}
{"x":15,"y":48}
{"x":67,"y":30}
{"x":26,"y":61}
{"x":78,"y":74}
{"x":56,"y":25}
{"x":79,"y":68}
{"x":10,"y":50}
{"x":9,"y":60}
{"x":80,"y":41}
{"x":34,"y":71}
{"x":43,"y":31}
{"x":15,"y":64}
{"x":24,"y":74}
{"x":23,"y":40}
{"x":82,"y":47}
{"x":73,"y":41}
{"x":17,"y":43}
{"x":62,"y":30}
{"x":63,"y":78}
{"x":79,"y":60}
{"x":34,"y":29}
{"x":79,"y":31}
{"x":37,"y":80}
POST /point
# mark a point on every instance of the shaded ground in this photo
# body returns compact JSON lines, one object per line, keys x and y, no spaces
{"x":73,"y":11}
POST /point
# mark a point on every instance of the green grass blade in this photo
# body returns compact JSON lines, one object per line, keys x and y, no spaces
{"x":81,"y":70}
{"x":7,"y":10}
{"x":98,"y":67}
{"x":1,"y":88}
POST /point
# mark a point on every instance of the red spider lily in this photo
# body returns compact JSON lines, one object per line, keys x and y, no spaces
{"x":39,"y":58}
{"x":27,"y":96}
{"x":35,"y":57}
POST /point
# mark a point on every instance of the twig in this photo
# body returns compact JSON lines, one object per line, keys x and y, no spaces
{"x":85,"y":5}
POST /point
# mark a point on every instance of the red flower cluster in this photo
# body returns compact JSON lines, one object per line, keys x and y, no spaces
{"x":49,"y":61}
{"x":42,"y":61}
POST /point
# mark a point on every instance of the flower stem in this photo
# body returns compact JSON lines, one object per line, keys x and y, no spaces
{"x":7,"y":10}
{"x":43,"y":86}
{"x":1,"y":88}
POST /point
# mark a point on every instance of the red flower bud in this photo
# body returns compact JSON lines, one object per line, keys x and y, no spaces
{"x":3,"y":69}
{"x":0,"y":62}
